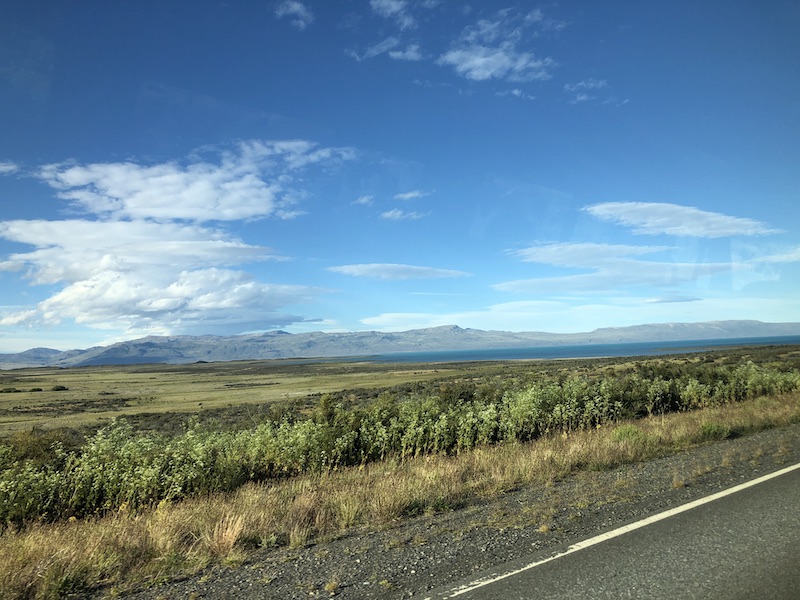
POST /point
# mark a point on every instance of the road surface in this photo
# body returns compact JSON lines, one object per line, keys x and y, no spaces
{"x":741,"y":545}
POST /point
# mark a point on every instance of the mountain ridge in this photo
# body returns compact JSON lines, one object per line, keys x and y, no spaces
{"x":182,"y":349}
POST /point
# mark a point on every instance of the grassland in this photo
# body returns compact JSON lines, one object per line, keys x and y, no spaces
{"x":452,"y":434}
{"x":95,"y":395}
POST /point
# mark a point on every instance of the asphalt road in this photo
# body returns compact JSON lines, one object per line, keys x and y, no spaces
{"x":745,"y":545}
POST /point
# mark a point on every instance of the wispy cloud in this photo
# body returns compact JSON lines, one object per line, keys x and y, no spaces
{"x":397,"y":10}
{"x":589,"y":90}
{"x":390,"y":271}
{"x":582,"y":254}
{"x":610,"y":266}
{"x":6,"y":168}
{"x":401,"y":215}
{"x":586,"y":84}
{"x":497,"y":48}
{"x":375,"y":50}
{"x":364,"y":200}
{"x":654,"y":218}
{"x":516,"y":93}
{"x":411,"y":53}
{"x":143,"y":257}
{"x":672,"y":299}
{"x":412,"y":195}
{"x":788,"y":256}
{"x":300,"y":15}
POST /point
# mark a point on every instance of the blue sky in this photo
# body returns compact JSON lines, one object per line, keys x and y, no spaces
{"x":227,"y":167}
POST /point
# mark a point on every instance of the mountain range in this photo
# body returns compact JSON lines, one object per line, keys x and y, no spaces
{"x":280,"y":344}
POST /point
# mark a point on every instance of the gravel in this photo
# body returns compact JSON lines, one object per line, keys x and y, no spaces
{"x":408,"y":558}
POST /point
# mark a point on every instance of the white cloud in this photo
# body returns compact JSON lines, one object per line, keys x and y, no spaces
{"x":654,"y":218}
{"x":496,"y":49}
{"x":75,"y":249}
{"x":789,"y":256}
{"x":481,"y":63}
{"x":394,"y":9}
{"x":611,"y":268}
{"x":671,"y":299}
{"x":301,"y":15}
{"x":254,"y":182}
{"x":389,"y":271}
{"x":141,"y":275}
{"x":412,"y":53}
{"x":412,"y":195}
{"x":375,"y":50}
{"x":400,"y":215}
{"x":364,"y":200}
{"x":6,"y":168}
{"x":516,"y":93}
{"x":582,"y":254}
{"x":581,"y":97}
{"x":586,"y":84}
{"x":579,"y":90}
{"x":141,"y":261}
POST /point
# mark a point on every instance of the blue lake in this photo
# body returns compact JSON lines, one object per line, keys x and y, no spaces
{"x":578,"y":350}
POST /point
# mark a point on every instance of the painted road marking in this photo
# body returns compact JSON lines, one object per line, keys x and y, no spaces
{"x":479,"y":583}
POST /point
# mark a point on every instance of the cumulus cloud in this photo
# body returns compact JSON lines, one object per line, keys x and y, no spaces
{"x":654,"y":218}
{"x":401,"y":215}
{"x":145,"y":258}
{"x":253,"y":181}
{"x":389,"y":271}
{"x":300,"y":15}
{"x":497,"y":48}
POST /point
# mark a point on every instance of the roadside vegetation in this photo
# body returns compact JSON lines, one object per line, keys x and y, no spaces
{"x":126,"y":504}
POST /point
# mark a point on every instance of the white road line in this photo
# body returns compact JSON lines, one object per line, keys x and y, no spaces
{"x":478,"y":583}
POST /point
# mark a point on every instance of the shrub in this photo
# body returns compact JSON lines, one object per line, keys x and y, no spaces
{"x":714,"y":431}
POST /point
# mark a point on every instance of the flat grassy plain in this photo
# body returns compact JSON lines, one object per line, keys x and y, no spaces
{"x":95,"y":395}
{"x":454,"y":434}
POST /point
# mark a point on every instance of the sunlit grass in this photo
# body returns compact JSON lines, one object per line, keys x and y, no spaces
{"x":125,"y":549}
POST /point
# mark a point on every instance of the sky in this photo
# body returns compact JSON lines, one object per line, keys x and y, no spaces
{"x":205,"y":167}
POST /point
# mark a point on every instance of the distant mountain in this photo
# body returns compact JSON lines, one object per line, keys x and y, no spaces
{"x":280,"y":344}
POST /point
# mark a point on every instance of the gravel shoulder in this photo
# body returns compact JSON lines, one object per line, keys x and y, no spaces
{"x":409,"y":558}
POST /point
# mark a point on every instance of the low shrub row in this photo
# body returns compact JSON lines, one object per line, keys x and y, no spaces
{"x":121,"y":468}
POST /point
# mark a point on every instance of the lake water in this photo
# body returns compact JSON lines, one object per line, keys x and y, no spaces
{"x":579,"y":350}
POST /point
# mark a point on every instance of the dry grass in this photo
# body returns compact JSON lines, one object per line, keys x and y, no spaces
{"x":124,"y":550}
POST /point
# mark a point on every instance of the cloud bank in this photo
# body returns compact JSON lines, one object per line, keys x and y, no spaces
{"x":150,"y":253}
